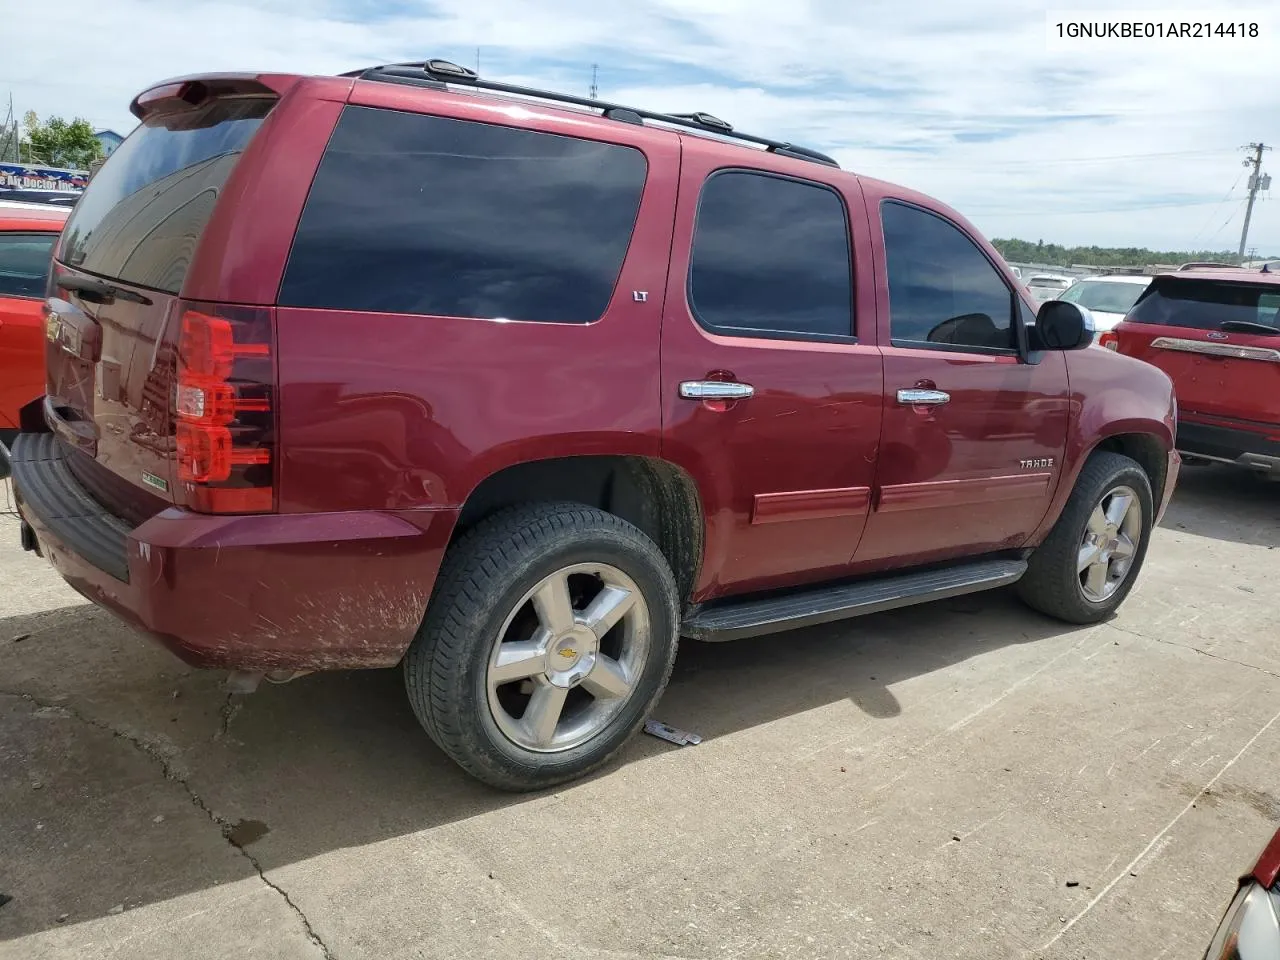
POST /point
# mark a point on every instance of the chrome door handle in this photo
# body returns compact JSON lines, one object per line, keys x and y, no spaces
{"x":923,"y":398}
{"x":716,"y":390}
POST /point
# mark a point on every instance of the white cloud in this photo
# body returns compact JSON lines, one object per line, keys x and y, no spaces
{"x":967,"y":102}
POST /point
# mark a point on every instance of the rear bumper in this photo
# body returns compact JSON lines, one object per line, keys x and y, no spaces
{"x":1229,"y":444}
{"x":315,"y":591}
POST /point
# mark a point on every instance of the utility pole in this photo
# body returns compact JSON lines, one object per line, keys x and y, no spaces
{"x":477,"y":61}
{"x":595,"y":89}
{"x":10,"y":134}
{"x":1255,"y":184}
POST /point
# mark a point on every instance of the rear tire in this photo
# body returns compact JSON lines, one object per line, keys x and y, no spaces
{"x":550,"y":635}
{"x":1090,"y":561}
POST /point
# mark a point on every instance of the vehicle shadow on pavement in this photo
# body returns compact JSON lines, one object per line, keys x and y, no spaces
{"x":1225,"y":503}
{"x":130,"y":779}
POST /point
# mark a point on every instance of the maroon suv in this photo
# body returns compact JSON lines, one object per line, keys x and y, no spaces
{"x":514,"y":389}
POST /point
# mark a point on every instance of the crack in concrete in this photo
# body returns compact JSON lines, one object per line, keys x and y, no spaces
{"x":170,"y":773}
{"x":1185,"y":646}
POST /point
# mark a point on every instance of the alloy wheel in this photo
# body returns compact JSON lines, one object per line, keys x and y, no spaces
{"x":1109,"y":544}
{"x":568,"y":657}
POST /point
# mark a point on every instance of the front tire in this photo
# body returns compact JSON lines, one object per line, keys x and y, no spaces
{"x":549,"y":637}
{"x":1089,"y":562}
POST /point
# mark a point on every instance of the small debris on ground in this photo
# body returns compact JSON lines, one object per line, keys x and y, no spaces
{"x":37,"y":785}
{"x":118,"y":908}
{"x":158,"y":818}
{"x":20,"y":637}
{"x":4,"y":898}
{"x":955,"y":837}
{"x":1073,"y":883}
{"x":843,"y":770}
{"x":663,"y":732}
{"x":62,"y":917}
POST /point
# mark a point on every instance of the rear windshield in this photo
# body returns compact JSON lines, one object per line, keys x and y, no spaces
{"x":1104,"y":296}
{"x":141,"y":216}
{"x":1206,"y":305}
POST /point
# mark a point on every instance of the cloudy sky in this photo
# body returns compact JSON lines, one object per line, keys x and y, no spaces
{"x":1123,"y":143}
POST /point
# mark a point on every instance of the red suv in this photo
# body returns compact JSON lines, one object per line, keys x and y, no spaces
{"x":27,"y":234}
{"x":514,"y":391}
{"x":1217,"y":334}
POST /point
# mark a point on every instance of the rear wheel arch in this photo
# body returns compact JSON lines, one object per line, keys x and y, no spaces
{"x":654,"y":495}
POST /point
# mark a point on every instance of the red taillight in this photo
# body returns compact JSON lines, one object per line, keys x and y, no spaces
{"x":1109,"y":339}
{"x":224,"y":410}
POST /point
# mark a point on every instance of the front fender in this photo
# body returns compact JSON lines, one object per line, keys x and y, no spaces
{"x":1118,"y":399}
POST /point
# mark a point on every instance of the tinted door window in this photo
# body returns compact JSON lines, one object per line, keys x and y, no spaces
{"x":24,"y":263}
{"x":943,"y":292}
{"x":418,"y":214}
{"x":141,"y":216}
{"x":771,"y":256}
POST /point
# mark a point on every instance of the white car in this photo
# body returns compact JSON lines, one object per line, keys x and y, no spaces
{"x":1107,"y":298}
{"x":1048,"y":286}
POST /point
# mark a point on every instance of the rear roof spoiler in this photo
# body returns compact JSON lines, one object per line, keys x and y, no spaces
{"x":191,"y":91}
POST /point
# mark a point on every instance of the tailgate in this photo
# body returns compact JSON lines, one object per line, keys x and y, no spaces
{"x":1219,"y":341}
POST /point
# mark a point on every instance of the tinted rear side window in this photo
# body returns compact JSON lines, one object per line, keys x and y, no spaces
{"x":771,"y":256}
{"x":142,"y":215}
{"x":429,"y":215}
{"x":24,"y":263}
{"x":1206,"y":305}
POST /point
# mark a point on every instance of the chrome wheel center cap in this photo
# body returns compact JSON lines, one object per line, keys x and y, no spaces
{"x":570,"y":657}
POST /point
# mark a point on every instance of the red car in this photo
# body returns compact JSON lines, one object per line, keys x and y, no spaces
{"x":27,"y":235}
{"x":393,"y":368}
{"x":1250,"y":929}
{"x":1217,"y":334}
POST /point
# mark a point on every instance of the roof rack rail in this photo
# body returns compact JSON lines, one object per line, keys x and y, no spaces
{"x":438,"y":73}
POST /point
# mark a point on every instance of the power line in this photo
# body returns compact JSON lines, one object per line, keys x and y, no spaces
{"x":1068,"y":213}
{"x":1072,"y":160}
{"x":1214,"y":212}
{"x":1231,"y":216}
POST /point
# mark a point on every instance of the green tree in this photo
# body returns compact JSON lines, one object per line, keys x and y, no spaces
{"x":61,"y":144}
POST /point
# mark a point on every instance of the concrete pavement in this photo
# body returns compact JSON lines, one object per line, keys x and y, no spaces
{"x":962,"y":780}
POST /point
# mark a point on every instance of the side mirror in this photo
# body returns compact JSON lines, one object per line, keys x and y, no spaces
{"x":1062,"y":326}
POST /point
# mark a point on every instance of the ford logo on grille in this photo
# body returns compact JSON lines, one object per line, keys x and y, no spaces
{"x":1215,"y":335}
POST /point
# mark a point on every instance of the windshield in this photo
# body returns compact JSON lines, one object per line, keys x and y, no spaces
{"x":1104,"y":296}
{"x":1206,"y":305}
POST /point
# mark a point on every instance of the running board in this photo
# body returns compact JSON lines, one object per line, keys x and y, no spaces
{"x":751,"y":618}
